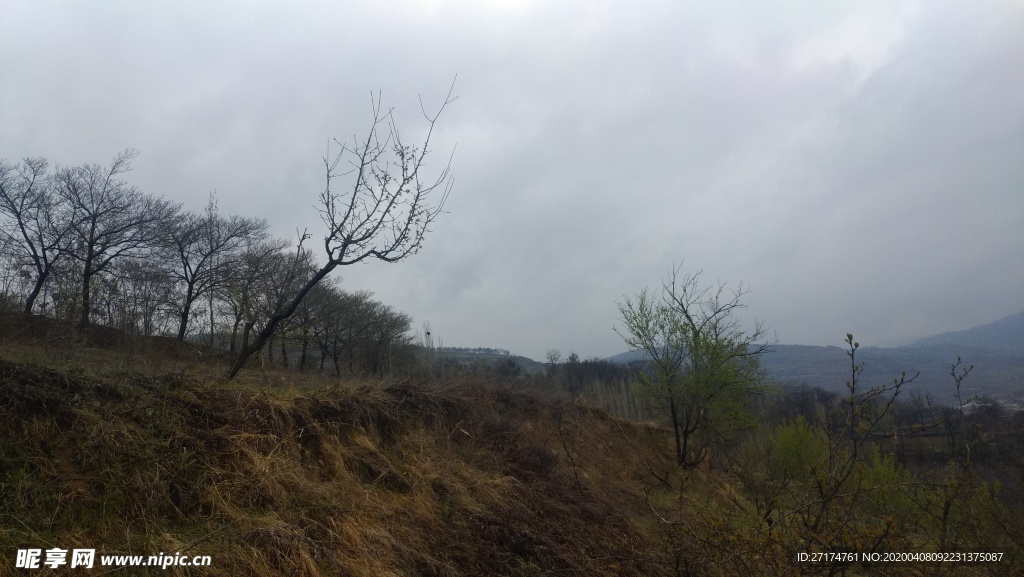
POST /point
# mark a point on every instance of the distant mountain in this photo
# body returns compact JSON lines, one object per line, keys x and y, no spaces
{"x":996,"y":350}
{"x":491,"y":357}
{"x":998,"y":373}
{"x":627,"y":357}
{"x":1006,"y":333}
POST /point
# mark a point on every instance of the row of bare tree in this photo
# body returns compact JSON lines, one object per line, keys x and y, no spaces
{"x":80,"y":243}
{"x":144,"y":263}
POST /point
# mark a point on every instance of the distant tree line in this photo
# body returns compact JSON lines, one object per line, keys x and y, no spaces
{"x":475,"y":350}
{"x":81,"y":244}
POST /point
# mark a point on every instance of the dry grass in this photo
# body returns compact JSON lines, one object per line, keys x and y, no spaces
{"x":135,"y":446}
{"x":289,"y":474}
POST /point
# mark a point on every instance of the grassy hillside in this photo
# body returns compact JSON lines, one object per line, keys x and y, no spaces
{"x":134,"y":446}
{"x":285,"y":474}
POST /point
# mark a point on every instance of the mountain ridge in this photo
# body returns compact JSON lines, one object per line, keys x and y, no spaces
{"x":998,"y":368}
{"x":1006,"y":333}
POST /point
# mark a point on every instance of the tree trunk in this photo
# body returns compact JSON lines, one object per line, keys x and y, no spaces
{"x":31,"y":300}
{"x":246,"y":331}
{"x":276,"y":318}
{"x":234,"y":334}
{"x":86,"y":301}
{"x":186,"y":310}
{"x":351,"y":353}
{"x":183,"y":323}
{"x":305,"y":348}
{"x":676,"y":426}
{"x":210,"y":291}
{"x":284,"y":350}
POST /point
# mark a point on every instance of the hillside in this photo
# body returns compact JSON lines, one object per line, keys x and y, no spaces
{"x":135,"y":446}
{"x":1006,"y":334}
{"x":285,"y":474}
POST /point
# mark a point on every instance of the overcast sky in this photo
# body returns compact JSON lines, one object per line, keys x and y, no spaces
{"x":859,"y":165}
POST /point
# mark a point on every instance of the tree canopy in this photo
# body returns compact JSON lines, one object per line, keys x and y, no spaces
{"x":702,"y":366}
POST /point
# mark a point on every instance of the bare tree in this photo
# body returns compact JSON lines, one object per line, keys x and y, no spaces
{"x":311,"y":319}
{"x":389,"y":334}
{"x":286,"y":274}
{"x":202,"y":247}
{"x":38,"y":227}
{"x":245,"y":282}
{"x":384,"y":214}
{"x":112,"y":220}
{"x":354,"y":330}
{"x":327,"y":324}
{"x":133,"y":297}
{"x":553,"y":357}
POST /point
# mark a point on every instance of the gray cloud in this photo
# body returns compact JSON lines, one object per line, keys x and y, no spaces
{"x":857,"y":165}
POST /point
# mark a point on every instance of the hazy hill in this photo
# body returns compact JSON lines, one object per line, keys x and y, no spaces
{"x":492,"y":358}
{"x":996,"y":350}
{"x":998,"y":374}
{"x":1006,"y":333}
{"x":627,"y":357}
